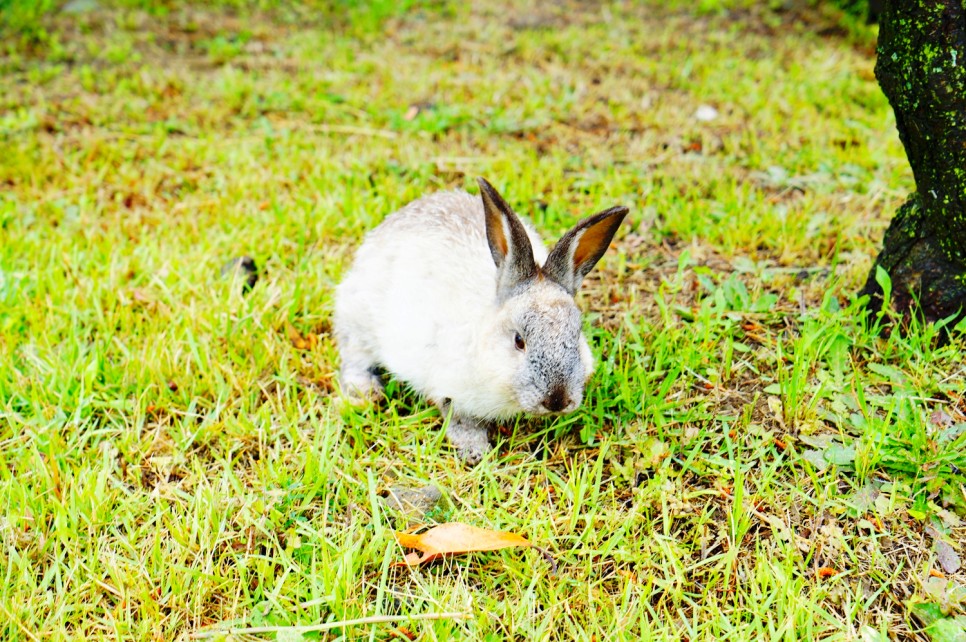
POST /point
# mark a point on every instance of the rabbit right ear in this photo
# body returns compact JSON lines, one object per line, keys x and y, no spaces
{"x":578,"y":251}
{"x":509,"y":243}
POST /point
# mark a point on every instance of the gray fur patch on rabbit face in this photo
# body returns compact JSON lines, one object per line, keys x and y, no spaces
{"x":555,"y":360}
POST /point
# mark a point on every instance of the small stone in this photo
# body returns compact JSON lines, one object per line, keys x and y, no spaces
{"x":705,"y":113}
{"x":242,"y":267}
{"x":75,"y":7}
{"x":414,"y":503}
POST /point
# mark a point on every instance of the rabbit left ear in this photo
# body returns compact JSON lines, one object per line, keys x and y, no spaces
{"x":508,"y":240}
{"x":578,"y":251}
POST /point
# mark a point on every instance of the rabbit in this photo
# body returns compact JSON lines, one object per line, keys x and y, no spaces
{"x":458,"y":298}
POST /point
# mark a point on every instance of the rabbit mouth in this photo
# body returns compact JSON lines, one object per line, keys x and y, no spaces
{"x":555,"y":405}
{"x":542,"y":412}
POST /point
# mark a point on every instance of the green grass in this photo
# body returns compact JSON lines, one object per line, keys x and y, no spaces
{"x":171,"y":461}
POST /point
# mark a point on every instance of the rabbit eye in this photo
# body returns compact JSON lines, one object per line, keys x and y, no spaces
{"x":518,"y":340}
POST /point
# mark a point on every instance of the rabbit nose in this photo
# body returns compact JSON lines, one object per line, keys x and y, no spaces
{"x":557,"y":400}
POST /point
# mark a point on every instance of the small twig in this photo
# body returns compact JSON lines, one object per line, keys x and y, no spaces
{"x":547,"y":556}
{"x":352,"y":130}
{"x":372,"y":619}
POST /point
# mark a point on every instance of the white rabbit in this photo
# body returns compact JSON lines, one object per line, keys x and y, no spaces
{"x":456,"y":297}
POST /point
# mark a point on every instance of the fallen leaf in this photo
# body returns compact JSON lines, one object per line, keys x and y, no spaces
{"x":819,"y":442}
{"x":402,"y":632}
{"x":455,"y":538}
{"x":947,"y":557}
{"x":863,"y":500}
{"x":940,"y":418}
{"x":308,"y":342}
{"x":816,"y":458}
{"x":949,"y":519}
{"x":945,"y":553}
{"x":655,"y":451}
{"x":945,"y":592}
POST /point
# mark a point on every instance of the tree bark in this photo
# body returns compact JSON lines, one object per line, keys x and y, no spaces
{"x":921,"y":68}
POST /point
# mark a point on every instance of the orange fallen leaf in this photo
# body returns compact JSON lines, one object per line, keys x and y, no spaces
{"x":454,"y":538}
{"x":402,"y":632}
{"x":826,"y":571}
{"x":299,"y":342}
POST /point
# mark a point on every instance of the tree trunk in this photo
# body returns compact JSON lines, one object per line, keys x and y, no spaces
{"x":921,"y":67}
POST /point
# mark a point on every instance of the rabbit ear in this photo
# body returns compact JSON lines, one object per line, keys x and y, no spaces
{"x":578,"y":251}
{"x":509,"y":243}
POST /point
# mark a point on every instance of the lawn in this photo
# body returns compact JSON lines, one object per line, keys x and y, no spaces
{"x":754,"y":459}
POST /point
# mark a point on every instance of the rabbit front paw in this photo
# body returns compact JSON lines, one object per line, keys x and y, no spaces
{"x":360,"y":385}
{"x":468,"y":437}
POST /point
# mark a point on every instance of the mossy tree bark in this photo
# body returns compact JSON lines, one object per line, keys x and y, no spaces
{"x":921,"y":67}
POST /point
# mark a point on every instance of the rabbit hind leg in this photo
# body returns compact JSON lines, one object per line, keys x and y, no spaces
{"x":357,"y":376}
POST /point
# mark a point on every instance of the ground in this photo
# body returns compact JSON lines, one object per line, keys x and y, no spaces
{"x":753,"y":460}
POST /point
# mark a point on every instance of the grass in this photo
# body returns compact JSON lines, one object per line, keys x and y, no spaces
{"x":754,"y":460}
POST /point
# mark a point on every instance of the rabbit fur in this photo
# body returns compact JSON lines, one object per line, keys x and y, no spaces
{"x":454,"y":295}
